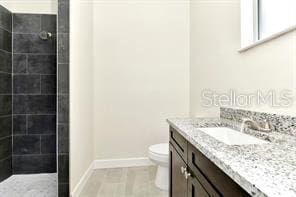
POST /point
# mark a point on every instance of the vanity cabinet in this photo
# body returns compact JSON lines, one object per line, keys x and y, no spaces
{"x":195,"y":189}
{"x":177,"y":180}
{"x":193,"y":175}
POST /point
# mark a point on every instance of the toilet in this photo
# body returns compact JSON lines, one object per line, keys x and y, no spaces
{"x":159,"y":154}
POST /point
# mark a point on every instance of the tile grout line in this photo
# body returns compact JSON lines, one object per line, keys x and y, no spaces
{"x":34,"y":154}
{"x":5,"y":158}
{"x":4,"y":28}
{"x":35,"y":134}
{"x":5,"y":137}
{"x":20,"y":74}
{"x":4,"y":51}
{"x":33,"y":54}
{"x":49,"y":114}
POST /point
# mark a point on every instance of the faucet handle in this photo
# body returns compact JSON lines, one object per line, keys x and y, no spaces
{"x":266,"y":126}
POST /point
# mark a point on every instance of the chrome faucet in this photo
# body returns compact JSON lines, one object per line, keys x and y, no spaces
{"x":263,"y":126}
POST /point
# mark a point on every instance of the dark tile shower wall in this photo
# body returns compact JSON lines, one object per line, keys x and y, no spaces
{"x":5,"y":94}
{"x":34,"y":94}
{"x":63,"y":98}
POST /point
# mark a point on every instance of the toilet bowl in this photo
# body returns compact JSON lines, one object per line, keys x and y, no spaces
{"x":159,"y":154}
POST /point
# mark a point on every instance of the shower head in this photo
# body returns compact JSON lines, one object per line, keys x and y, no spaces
{"x":44,"y":35}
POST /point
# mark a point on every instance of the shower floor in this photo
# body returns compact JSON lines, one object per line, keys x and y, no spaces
{"x":33,"y":185}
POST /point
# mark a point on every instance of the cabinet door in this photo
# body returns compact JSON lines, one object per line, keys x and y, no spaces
{"x":178,"y":183}
{"x":195,"y":189}
{"x":213,"y":179}
{"x":179,"y":143}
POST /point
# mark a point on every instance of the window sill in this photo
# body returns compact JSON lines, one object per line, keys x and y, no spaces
{"x":273,"y":36}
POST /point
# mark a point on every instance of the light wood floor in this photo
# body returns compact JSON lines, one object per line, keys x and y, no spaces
{"x":123,"y":182}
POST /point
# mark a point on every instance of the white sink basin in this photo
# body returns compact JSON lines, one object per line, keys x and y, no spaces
{"x":231,"y":136}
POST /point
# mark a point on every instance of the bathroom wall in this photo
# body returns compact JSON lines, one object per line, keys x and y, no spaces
{"x":216,"y":64}
{"x":141,"y":73}
{"x":31,"y":6}
{"x":81,"y":91}
{"x":34,"y":94}
{"x":63,"y":98}
{"x":5,"y":94}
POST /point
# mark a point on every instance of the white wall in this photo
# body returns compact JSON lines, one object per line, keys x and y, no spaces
{"x":216,"y":64}
{"x":141,"y":73}
{"x":81,"y":89}
{"x":31,"y":6}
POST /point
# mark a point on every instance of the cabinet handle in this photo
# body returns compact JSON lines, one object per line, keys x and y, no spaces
{"x":183,"y":170}
{"x":187,"y":175}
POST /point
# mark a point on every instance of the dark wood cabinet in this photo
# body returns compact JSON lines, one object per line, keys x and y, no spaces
{"x":195,"y":189}
{"x":179,"y":143}
{"x":193,"y":175}
{"x":178,"y":181}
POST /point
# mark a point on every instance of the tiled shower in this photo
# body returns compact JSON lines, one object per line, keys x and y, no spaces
{"x":34,"y":94}
{"x":34,"y":133}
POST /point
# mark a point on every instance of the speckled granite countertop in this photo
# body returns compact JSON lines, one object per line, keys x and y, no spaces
{"x":262,"y":170}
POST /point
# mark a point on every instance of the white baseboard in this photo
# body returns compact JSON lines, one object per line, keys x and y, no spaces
{"x":108,"y":163}
{"x":122,"y":163}
{"x":80,"y":185}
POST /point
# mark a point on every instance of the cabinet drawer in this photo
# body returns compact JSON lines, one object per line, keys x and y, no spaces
{"x":195,"y":189}
{"x":179,"y":142}
{"x":215,"y":181}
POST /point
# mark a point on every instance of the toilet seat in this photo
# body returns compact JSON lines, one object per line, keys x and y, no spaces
{"x":160,"y":149}
{"x":159,"y":153}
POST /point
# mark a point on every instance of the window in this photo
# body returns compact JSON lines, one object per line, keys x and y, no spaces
{"x":262,"y":20}
{"x":275,"y":16}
